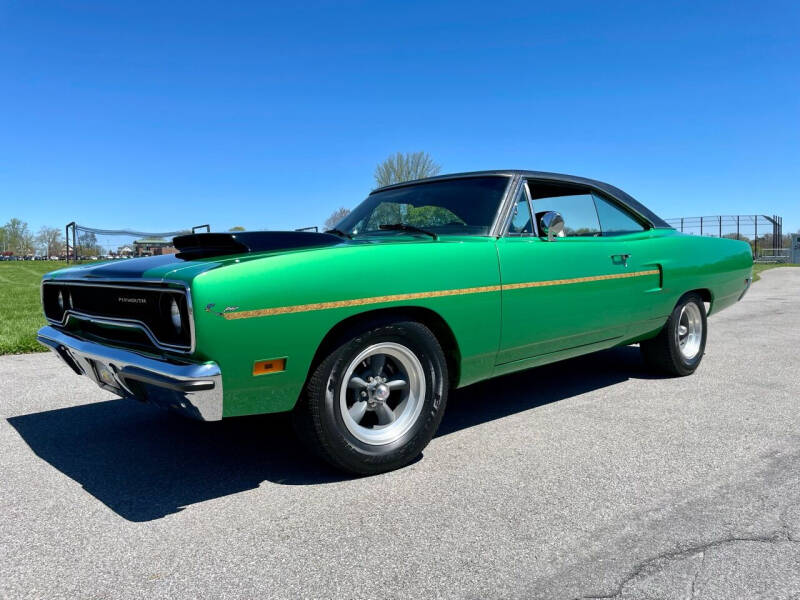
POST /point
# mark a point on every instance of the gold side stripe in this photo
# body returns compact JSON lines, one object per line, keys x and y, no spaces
{"x":530,"y":284}
{"x":298,"y":308}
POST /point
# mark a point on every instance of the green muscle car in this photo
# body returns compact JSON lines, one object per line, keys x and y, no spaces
{"x":426,"y":286}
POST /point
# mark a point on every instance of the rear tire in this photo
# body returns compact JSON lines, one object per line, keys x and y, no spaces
{"x":376,"y":400}
{"x":679,"y":346}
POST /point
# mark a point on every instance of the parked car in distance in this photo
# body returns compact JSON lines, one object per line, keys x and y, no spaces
{"x":424,"y":287}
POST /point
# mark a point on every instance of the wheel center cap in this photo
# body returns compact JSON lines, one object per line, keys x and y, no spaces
{"x":381,"y":392}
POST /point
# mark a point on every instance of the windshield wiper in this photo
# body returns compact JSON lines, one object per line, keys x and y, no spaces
{"x":340,"y":233}
{"x":404,"y":227}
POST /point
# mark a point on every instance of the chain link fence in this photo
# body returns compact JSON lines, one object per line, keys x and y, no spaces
{"x":764,"y":233}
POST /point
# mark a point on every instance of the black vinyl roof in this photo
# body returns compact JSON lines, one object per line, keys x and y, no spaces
{"x":609,"y":189}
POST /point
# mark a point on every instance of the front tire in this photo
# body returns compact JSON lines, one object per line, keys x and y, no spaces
{"x":679,"y":346}
{"x":376,"y":400}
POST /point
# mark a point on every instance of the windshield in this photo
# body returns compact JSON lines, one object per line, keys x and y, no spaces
{"x":465,"y":206}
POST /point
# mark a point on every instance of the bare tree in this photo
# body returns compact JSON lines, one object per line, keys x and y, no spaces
{"x":405,"y":167}
{"x":336,"y":216}
{"x":49,"y":240}
{"x":27,"y":244}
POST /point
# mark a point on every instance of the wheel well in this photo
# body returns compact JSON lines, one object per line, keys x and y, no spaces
{"x":366,"y":320}
{"x":706,"y":296}
{"x":703,"y":293}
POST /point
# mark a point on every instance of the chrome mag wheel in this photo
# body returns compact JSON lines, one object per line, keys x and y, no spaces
{"x":382,"y":393}
{"x":689,"y":333}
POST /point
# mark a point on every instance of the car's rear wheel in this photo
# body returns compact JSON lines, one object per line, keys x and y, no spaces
{"x":375,"y":401}
{"x":679,"y":346}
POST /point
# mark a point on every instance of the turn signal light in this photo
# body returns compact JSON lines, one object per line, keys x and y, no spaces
{"x":275,"y":365}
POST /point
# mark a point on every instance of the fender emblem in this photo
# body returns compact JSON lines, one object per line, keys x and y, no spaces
{"x":227,"y":309}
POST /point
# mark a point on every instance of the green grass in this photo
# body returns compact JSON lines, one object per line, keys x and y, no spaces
{"x":20,"y":307}
{"x":758,"y":269}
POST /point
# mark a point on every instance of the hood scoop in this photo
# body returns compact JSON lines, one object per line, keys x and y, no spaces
{"x":205,"y":245}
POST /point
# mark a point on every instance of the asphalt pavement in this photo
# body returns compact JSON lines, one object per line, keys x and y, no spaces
{"x":591,"y":478}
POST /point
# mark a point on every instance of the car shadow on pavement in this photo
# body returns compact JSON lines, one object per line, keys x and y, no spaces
{"x":144,"y":463}
{"x":504,"y":396}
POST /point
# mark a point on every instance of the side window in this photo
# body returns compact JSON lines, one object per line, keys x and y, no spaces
{"x":521,"y":222}
{"x":575,"y":205}
{"x":613,"y":220}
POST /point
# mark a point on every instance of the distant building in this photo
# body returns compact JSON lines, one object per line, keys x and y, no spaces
{"x":153,"y":247}
{"x":124,"y":251}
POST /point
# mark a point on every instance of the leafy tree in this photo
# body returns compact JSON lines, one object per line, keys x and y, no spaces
{"x":336,"y":216}
{"x":384,"y":213}
{"x":87,"y":244}
{"x":431,"y":216}
{"x":236,"y":228}
{"x":405,"y":167}
{"x":18,"y":239}
{"x":49,"y":240}
{"x":388,"y":213}
{"x":732,"y":236}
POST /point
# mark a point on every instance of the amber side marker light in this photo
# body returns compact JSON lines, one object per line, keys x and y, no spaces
{"x":263,"y":367}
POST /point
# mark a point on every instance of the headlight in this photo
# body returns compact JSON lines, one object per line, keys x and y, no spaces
{"x":175,"y":315}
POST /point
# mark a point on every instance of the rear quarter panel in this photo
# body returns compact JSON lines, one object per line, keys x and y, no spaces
{"x":689,"y":262}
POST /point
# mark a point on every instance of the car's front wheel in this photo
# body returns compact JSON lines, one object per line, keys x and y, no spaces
{"x":375,"y":401}
{"x":679,"y":346}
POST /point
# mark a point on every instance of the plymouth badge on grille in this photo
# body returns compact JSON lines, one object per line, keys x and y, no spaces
{"x":127,"y":300}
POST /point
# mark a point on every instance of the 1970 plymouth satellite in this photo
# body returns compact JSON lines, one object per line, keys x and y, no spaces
{"x":426,"y":286}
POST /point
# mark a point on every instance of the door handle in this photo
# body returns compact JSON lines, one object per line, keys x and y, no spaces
{"x":620,"y":258}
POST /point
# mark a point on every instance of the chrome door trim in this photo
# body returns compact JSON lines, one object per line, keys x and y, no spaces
{"x":500,"y":226}
{"x":522,"y":186}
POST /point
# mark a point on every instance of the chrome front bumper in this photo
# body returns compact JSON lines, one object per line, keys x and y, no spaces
{"x":193,"y":388}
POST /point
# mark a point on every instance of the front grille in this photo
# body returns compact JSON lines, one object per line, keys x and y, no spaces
{"x":129,"y":337}
{"x":116,"y":308}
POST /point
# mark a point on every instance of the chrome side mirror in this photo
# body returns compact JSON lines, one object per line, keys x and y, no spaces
{"x":551,"y":224}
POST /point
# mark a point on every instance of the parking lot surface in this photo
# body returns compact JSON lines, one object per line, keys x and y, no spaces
{"x":585,"y":479}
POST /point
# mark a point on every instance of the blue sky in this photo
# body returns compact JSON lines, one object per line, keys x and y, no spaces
{"x":158,"y":116}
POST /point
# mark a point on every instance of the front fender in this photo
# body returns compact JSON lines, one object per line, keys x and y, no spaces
{"x":282,"y":306}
